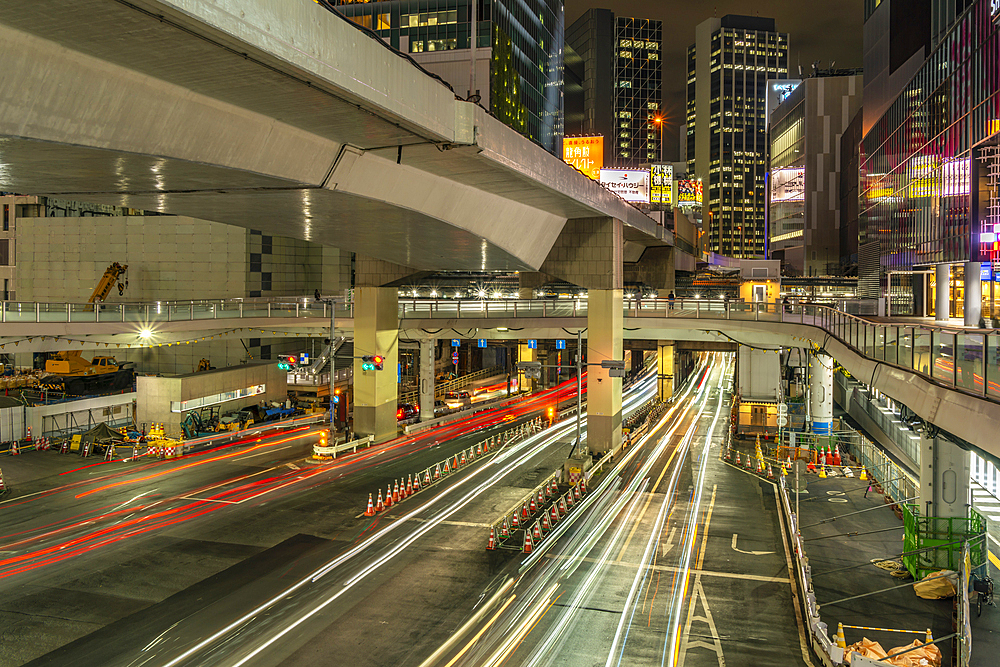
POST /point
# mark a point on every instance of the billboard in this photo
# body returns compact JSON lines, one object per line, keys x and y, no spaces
{"x":661,"y":184}
{"x":777,"y":91}
{"x":629,"y":184}
{"x":788,"y":184}
{"x":585,"y":153}
{"x":688,"y":192}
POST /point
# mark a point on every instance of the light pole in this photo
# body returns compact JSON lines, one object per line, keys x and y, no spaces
{"x":659,"y":121}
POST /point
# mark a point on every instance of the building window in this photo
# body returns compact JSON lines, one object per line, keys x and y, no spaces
{"x":6,"y":217}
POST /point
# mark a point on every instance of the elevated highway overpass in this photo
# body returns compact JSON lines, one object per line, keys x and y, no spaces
{"x":280,"y":116}
{"x":914,"y":364}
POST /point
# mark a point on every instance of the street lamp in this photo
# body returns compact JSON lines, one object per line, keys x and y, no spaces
{"x":659,"y":121}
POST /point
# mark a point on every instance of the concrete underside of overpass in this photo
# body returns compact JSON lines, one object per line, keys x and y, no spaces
{"x":280,"y":116}
{"x":963,"y":415}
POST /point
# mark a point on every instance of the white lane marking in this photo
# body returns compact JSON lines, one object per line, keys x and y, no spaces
{"x":669,"y":544}
{"x":293,"y":466}
{"x":267,"y":451}
{"x":672,"y":569}
{"x":212,"y":500}
{"x":752,"y":553}
{"x":716,"y":644}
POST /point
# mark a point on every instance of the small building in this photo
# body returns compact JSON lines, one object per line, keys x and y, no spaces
{"x":760,"y":280}
{"x":165,"y":399}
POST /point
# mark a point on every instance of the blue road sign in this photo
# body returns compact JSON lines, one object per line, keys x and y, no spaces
{"x":532,"y":344}
{"x":482,"y":342}
{"x":560,"y":345}
{"x":455,"y":342}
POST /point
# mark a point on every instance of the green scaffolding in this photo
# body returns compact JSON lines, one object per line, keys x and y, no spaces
{"x":948,"y":535}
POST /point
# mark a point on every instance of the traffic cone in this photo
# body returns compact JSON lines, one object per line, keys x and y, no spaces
{"x":555,"y":487}
{"x":504,"y":529}
{"x":447,"y":470}
{"x":3,"y":487}
{"x":395,"y":493}
{"x":546,"y":527}
{"x":378,"y":505}
{"x":388,"y":496}
{"x":463,"y":459}
{"x":27,"y":438}
{"x":576,"y":493}
{"x":841,"y":642}
{"x":437,"y":472}
{"x":14,"y":451}
{"x":729,"y":453}
{"x":524,"y":511}
{"x":829,"y":456}
{"x":427,"y":478}
{"x":864,"y":474}
{"x":492,"y":544}
{"x":533,"y":506}
{"x":527,"y":543}
{"x":583,"y":486}
{"x":836,"y":456}
{"x":929,"y":638}
{"x":515,"y":523}
{"x":747,"y":463}
{"x":371,"y":507}
{"x":554,"y":514}
{"x":562,"y":507}
{"x":547,"y":490}
{"x":784,"y":470}
{"x":536,"y":531}
{"x":811,"y":467}
{"x":770,"y":473}
{"x":822,"y":472}
{"x":409,"y":486}
{"x":738,"y":462}
{"x":455,"y":464}
{"x":541,"y":498}
{"x":479,"y":449}
{"x":569,"y":500}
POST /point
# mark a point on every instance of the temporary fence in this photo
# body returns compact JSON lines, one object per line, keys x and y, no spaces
{"x":321,"y":452}
{"x":935,"y":543}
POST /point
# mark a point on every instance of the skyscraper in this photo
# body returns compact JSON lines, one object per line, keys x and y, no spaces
{"x":622,"y":84}
{"x":728,"y":68}
{"x":519,"y":58}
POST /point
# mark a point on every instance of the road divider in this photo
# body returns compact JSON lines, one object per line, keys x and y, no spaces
{"x":528,"y":521}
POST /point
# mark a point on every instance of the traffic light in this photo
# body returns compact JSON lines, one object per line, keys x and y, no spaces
{"x":372,"y":362}
{"x":552,"y":415}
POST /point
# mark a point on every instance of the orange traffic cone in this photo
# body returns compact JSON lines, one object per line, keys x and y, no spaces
{"x":532,"y":505}
{"x":409,"y":486}
{"x":554,"y":514}
{"x":455,"y":464}
{"x":738,"y":461}
{"x":562,"y":507}
{"x":527,"y":543}
{"x":395,"y":492}
{"x":836,"y":456}
{"x":536,"y":531}
{"x":492,"y":544}
{"x":569,"y":500}
{"x":514,"y":521}
{"x":388,"y":496}
{"x":463,"y":459}
{"x":378,"y":504}
{"x":770,"y":473}
{"x":524,"y":511}
{"x":555,"y":487}
{"x":504,"y":529}
{"x":14,"y":451}
{"x":479,"y":449}
{"x":427,"y":478}
{"x":576,"y":493}
{"x":541,"y":498}
{"x":811,"y":467}
{"x":547,"y":490}
{"x":583,"y":486}
{"x":371,"y":507}
{"x":416,"y":482}
{"x":545,"y":523}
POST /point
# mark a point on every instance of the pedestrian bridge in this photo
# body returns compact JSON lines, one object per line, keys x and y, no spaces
{"x":949,"y":377}
{"x":279,"y":116}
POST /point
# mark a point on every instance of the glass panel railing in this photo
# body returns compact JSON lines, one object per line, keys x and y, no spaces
{"x":18,"y":311}
{"x":943,"y":356}
{"x":992,"y":367}
{"x":969,"y":357}
{"x":904,"y":347}
{"x":891,"y":337}
{"x":82,"y":312}
{"x":922,"y":351}
{"x":878,"y":341}
{"x":109,"y":312}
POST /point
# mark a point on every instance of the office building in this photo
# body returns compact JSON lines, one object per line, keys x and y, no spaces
{"x":930,"y":159}
{"x":519,"y":53}
{"x":621,"y":76}
{"x":803,"y":179}
{"x":728,"y":70}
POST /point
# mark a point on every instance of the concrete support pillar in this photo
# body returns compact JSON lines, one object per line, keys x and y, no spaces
{"x":665,"y":369}
{"x":524,"y":353}
{"x":821,"y":393}
{"x":944,"y":478}
{"x":604,"y":393}
{"x":528,"y":282}
{"x":376,"y":332}
{"x":973,"y":294}
{"x":426,"y":379}
{"x":942,"y":292}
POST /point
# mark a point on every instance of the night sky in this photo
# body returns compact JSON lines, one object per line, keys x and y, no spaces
{"x":821,"y":31}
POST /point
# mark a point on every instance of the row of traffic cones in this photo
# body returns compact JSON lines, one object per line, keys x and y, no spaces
{"x":399,"y":492}
{"x":759,"y":466}
{"x":527,"y":509}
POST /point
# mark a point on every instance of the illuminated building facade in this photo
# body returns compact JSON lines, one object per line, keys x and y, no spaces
{"x":803,"y":222}
{"x":519,"y":59}
{"x":622,"y":74}
{"x":930,"y":160}
{"x":728,"y":70}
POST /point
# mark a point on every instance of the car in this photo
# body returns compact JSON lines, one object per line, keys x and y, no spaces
{"x":457,"y":399}
{"x":406,"y":411}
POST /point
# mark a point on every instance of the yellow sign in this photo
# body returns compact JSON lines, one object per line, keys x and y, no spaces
{"x":585,"y":153}
{"x":74,"y":445}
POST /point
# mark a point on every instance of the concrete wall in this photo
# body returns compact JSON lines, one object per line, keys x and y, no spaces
{"x":155,"y":393}
{"x":759,"y":374}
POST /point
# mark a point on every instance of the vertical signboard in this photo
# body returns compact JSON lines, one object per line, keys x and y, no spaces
{"x":688,"y":192}
{"x":661,"y":184}
{"x":585,"y":153}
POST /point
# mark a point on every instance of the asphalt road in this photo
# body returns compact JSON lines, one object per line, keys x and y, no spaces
{"x":84,"y":548}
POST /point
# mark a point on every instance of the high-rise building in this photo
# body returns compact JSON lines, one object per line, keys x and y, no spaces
{"x":728,"y":70}
{"x":622,"y":85}
{"x":930,"y":158}
{"x":519,"y":53}
{"x":805,"y":162}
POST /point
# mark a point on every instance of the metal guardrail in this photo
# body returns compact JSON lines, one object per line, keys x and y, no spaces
{"x":196,"y":444}
{"x":451,"y":385}
{"x":343,"y":447}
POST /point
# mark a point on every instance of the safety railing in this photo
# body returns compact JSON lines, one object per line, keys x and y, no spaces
{"x":166,"y":311}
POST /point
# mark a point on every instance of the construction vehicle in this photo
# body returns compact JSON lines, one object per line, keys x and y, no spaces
{"x":236,"y":421}
{"x":204,"y":422}
{"x":77,"y":375}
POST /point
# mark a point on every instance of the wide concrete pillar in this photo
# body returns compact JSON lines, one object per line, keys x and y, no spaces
{"x":524,"y":353}
{"x":604,"y":393}
{"x":426,"y":379}
{"x":944,"y":478}
{"x":973,"y":292}
{"x":376,"y":313}
{"x":942,"y":292}
{"x":528,"y":282}
{"x":821,"y":393}
{"x":665,"y":369}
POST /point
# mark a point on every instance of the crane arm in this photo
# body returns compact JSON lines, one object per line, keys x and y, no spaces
{"x":107,"y":282}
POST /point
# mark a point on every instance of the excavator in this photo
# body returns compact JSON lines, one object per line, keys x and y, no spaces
{"x":101,"y":374}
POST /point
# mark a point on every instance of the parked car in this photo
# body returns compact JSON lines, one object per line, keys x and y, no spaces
{"x":406,"y":411}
